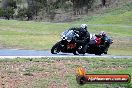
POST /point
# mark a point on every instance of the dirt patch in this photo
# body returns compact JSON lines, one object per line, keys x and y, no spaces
{"x":49,"y":74}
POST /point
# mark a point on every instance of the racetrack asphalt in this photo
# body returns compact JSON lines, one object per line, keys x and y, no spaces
{"x":16,"y":53}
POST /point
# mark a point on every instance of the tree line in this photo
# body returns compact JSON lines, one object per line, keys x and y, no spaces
{"x":30,"y":8}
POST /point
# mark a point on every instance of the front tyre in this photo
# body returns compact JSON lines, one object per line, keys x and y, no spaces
{"x":55,"y":49}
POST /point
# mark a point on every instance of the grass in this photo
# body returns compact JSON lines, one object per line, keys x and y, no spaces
{"x":29,"y":35}
{"x":37,"y":42}
{"x":60,"y":72}
{"x":119,"y":15}
{"x":43,"y":35}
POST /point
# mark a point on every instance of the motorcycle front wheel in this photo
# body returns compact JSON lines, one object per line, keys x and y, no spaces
{"x":55,"y":49}
{"x":75,"y":52}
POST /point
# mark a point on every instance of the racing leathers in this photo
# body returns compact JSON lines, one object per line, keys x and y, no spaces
{"x":83,"y":39}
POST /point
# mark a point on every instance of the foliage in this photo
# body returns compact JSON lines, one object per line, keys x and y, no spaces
{"x":78,"y":5}
{"x":9,"y":3}
{"x":49,"y":8}
{"x":7,"y":13}
{"x":25,"y":13}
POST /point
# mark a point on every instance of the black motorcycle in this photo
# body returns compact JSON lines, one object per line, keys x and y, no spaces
{"x":67,"y":44}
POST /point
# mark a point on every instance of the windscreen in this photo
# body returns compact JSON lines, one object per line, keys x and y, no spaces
{"x":68,"y":35}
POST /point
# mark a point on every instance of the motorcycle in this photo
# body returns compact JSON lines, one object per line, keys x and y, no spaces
{"x":69,"y":44}
{"x":98,"y":45}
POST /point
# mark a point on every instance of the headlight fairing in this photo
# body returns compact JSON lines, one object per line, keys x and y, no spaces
{"x":63,"y":37}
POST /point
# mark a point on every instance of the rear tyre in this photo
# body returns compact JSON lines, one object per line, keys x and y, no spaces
{"x":55,"y":49}
{"x":105,"y":51}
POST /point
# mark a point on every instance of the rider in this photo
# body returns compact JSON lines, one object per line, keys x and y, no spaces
{"x":84,"y":37}
{"x":102,"y":35}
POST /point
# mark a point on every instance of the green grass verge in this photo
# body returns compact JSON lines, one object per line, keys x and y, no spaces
{"x":119,"y":15}
{"x":60,"y":72}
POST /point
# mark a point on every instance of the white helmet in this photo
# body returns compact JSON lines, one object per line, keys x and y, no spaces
{"x":102,"y":33}
{"x":83,"y":26}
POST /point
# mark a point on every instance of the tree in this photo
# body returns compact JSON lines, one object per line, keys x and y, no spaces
{"x":78,"y":5}
{"x":9,"y":3}
{"x":8,"y":7}
{"x":25,"y":13}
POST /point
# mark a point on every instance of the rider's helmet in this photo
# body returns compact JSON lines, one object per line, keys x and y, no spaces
{"x":102,"y":33}
{"x":84,"y":26}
